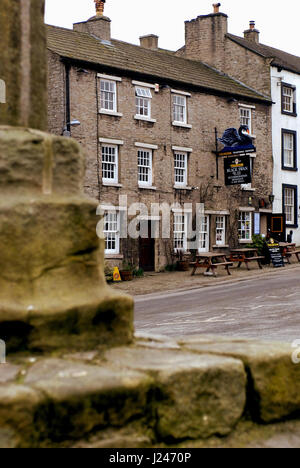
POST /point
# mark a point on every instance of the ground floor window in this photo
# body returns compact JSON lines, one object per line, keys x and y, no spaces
{"x":111,"y":232}
{"x":290,"y":204}
{"x":220,"y":230}
{"x":245,"y":226}
{"x":180,"y":232}
{"x":204,"y":234}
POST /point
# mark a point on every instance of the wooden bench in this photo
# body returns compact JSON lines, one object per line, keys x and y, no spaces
{"x":289,"y":253}
{"x":240,"y":256}
{"x":210,"y":266}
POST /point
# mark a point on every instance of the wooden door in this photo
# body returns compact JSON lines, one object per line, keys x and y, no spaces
{"x":147,"y":251}
{"x":277,"y":227}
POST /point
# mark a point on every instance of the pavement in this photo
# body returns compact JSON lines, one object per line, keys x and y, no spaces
{"x":261,"y":305}
{"x":183,"y":281}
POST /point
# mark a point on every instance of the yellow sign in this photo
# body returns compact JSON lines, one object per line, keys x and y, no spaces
{"x":116,"y":275}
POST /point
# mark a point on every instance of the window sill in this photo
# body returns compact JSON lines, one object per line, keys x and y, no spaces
{"x":291,"y":114}
{"x":225,"y":246}
{"x":181,"y":124}
{"x":114,"y":256}
{"x":111,"y":184}
{"x":249,"y":241}
{"x":182,"y":187}
{"x":147,"y":187}
{"x":144,"y":119}
{"x":292,"y":226}
{"x":291,"y":169}
{"x":111,"y":113}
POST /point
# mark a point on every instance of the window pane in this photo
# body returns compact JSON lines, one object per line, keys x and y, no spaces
{"x":109,"y":163}
{"x":289,"y":205}
{"x":288,"y":149}
{"x":245,"y":118}
{"x":288,"y":99}
{"x":111,"y":233}
{"x":179,"y":108}
{"x":108,"y":95}
{"x":145,"y":167}
{"x":143,"y":107}
{"x":180,"y":235}
{"x":245,"y":226}
{"x":180,"y":167}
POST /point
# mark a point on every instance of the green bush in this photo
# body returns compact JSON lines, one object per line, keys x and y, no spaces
{"x":258,"y":242}
{"x":138,"y":272}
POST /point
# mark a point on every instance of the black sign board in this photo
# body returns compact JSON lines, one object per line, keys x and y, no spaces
{"x":275,"y":254}
{"x":237,"y":170}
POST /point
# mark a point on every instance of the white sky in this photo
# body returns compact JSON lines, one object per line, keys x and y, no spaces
{"x":277,"y":21}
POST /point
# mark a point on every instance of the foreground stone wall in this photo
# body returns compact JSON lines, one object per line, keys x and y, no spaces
{"x":195,"y":391}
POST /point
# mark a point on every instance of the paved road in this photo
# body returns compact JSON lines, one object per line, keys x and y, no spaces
{"x":265,"y":308}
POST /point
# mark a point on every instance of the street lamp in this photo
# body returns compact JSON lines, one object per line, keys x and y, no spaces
{"x":271,"y":199}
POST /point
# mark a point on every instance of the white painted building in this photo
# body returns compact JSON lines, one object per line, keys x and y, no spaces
{"x":286,"y":141}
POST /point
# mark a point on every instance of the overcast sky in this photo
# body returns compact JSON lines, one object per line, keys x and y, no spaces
{"x":277,"y":21}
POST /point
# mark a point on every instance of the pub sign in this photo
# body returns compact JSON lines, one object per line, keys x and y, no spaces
{"x":237,"y":170}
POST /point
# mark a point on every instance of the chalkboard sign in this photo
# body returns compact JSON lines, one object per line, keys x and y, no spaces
{"x":275,"y":254}
{"x":237,"y":170}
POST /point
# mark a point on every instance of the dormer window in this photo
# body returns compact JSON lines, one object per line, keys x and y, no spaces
{"x":288,"y":99}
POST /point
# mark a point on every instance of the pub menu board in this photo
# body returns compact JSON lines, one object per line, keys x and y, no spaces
{"x":275,"y":254}
{"x":237,"y":170}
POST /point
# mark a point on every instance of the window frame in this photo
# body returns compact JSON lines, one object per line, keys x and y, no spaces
{"x":223,"y":241}
{"x":184,"y":232}
{"x":242,"y":240}
{"x":293,"y":112}
{"x":204,"y":236}
{"x":295,"y":189}
{"x":185,"y":111}
{"x":141,"y":98}
{"x":115,"y":251}
{"x":115,"y":98}
{"x":284,"y":167}
{"x":150,"y":167}
{"x":249,"y":109}
{"x":114,"y":180}
{"x":184,"y":183}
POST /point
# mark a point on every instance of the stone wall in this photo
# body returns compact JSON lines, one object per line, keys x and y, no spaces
{"x":205,"y":112}
{"x":160,"y":392}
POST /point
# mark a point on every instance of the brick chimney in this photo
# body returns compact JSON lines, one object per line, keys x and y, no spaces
{"x":98,"y":25}
{"x":149,"y":42}
{"x":205,"y":37}
{"x":252,"y":34}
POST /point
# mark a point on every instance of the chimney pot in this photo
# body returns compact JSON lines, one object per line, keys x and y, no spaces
{"x":252,"y":34}
{"x":216,"y":7}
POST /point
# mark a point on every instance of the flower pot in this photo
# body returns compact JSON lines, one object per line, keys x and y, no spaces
{"x":126,"y":275}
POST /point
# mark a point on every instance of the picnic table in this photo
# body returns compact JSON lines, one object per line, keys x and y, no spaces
{"x":245,"y":255}
{"x":211,"y":261}
{"x":288,"y":250}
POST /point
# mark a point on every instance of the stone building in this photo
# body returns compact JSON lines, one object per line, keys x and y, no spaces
{"x":147,"y":119}
{"x":269,"y":71}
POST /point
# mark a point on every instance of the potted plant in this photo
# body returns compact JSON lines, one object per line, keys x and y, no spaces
{"x":127,"y":272}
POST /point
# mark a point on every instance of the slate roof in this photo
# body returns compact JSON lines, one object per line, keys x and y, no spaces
{"x":280,"y":58}
{"x":160,"y":64}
